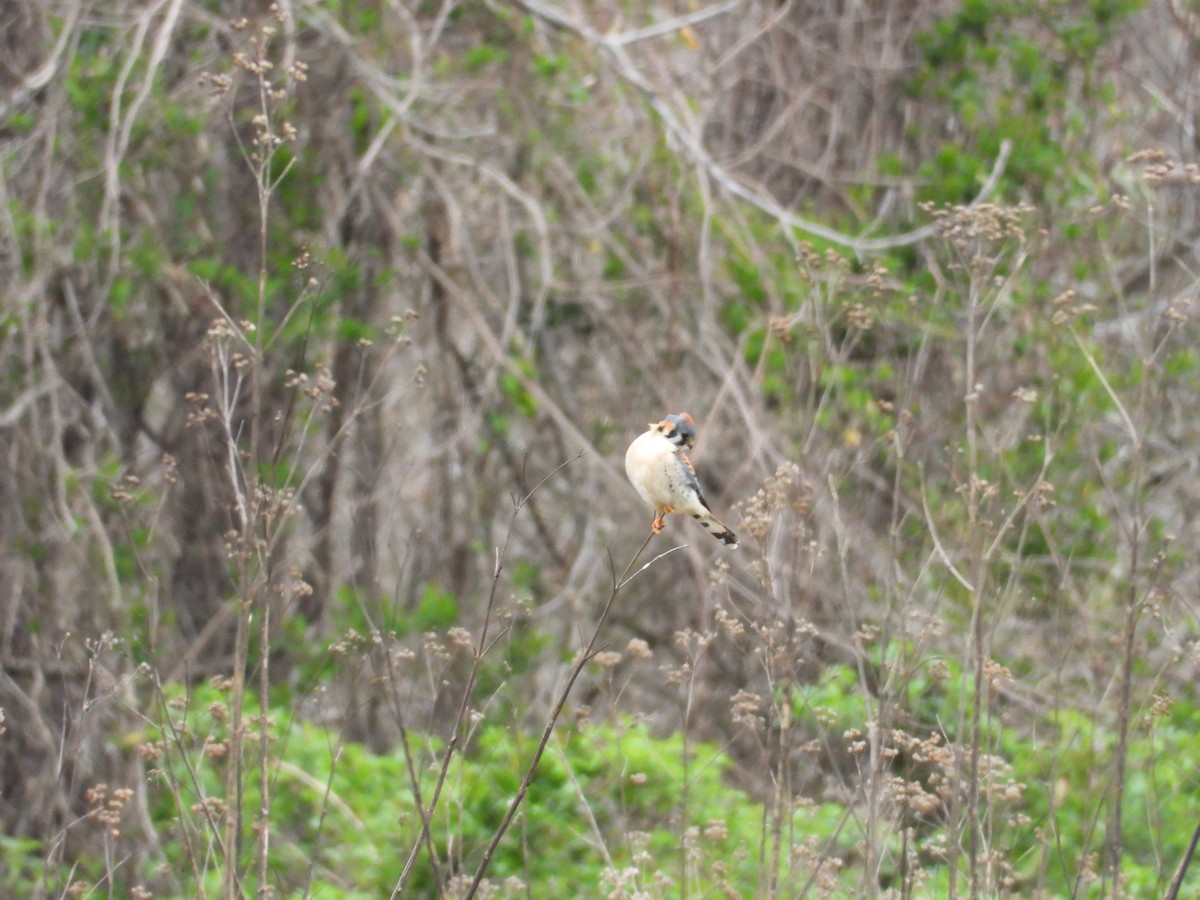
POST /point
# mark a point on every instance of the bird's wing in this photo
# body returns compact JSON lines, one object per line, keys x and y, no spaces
{"x":690,"y":478}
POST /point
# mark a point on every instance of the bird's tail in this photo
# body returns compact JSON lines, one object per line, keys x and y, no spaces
{"x":719,"y":530}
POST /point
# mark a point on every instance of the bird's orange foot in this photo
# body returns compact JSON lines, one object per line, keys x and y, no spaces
{"x":657,"y":526}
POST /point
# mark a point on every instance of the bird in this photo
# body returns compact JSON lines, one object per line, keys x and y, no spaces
{"x":659,"y":469}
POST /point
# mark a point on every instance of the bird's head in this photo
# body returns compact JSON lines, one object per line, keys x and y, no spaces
{"x":679,"y":429}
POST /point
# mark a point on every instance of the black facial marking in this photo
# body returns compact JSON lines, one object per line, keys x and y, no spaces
{"x":682,"y":432}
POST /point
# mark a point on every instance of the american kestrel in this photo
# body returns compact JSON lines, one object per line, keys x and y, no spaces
{"x":660,"y":470}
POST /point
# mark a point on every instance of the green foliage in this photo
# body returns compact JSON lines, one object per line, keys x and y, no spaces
{"x":483,"y":55}
{"x":747,"y":280}
{"x":231,"y":281}
{"x":344,"y":817}
{"x":836,"y":695}
{"x":20,"y":869}
{"x":1032,"y":786}
{"x":362,"y":117}
{"x":514,"y":389}
{"x":437,"y":609}
{"x":549,"y":66}
{"x":1162,"y":790}
{"x":517,"y":396}
{"x":1002,"y":83}
{"x":354,"y":330}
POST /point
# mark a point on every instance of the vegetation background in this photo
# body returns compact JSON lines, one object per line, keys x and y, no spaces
{"x":325,"y":325}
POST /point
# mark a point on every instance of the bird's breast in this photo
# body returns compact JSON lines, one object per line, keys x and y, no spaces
{"x":650,"y":463}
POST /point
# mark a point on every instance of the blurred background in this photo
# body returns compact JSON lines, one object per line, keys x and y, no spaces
{"x":324,"y":326}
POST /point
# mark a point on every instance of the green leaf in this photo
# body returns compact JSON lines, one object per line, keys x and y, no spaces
{"x":437,"y":610}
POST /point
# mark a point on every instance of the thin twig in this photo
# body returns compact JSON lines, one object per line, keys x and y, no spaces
{"x":582,"y":660}
{"x":481,"y":650}
{"x":937,"y":544}
{"x":1108,"y":389}
{"x":1177,"y":881}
